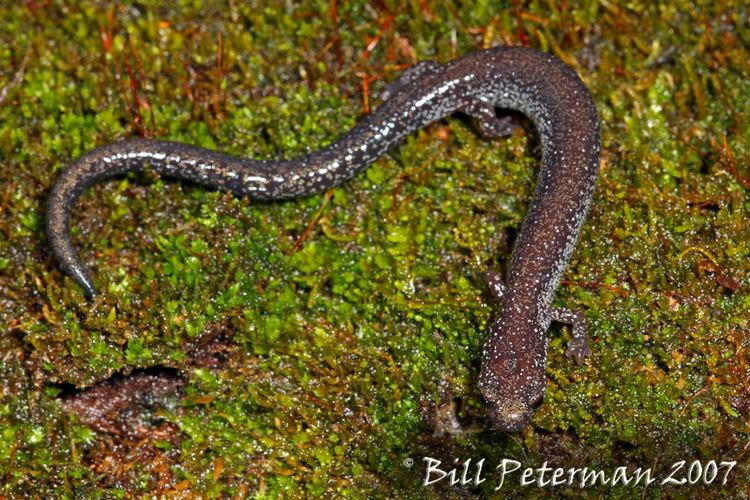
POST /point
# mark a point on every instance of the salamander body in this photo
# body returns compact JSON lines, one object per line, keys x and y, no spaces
{"x":512,"y":378}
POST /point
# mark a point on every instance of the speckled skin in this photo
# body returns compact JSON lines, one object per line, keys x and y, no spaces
{"x":512,"y":379}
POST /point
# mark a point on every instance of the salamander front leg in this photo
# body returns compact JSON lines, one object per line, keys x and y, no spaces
{"x":495,"y":285}
{"x":578,"y":346}
{"x":490,"y":125}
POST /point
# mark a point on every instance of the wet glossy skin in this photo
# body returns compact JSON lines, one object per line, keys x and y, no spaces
{"x":512,"y":379}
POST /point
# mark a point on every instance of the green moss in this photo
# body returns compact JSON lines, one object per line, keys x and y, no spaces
{"x":351,"y":318}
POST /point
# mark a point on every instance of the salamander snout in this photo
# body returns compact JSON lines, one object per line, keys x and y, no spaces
{"x":512,"y":415}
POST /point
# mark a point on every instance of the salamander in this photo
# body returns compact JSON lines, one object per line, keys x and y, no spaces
{"x":512,"y":377}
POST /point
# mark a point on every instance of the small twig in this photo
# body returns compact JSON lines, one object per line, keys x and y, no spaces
{"x":374,"y":41}
{"x":141,"y":76}
{"x":217,"y":98}
{"x":743,"y":450}
{"x":596,"y":285}
{"x":692,"y":398}
{"x":17,"y":78}
{"x":365,"y":91}
{"x":326,"y":198}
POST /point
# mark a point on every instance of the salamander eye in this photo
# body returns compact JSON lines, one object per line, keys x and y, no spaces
{"x":536,"y":403}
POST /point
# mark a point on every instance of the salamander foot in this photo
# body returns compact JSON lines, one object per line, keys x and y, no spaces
{"x":578,"y":346}
{"x":490,"y":126}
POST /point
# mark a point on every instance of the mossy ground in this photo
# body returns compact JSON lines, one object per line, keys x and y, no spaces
{"x":351,"y":316}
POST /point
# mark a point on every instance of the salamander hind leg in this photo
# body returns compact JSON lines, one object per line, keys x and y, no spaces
{"x":409,"y":76}
{"x":495,"y":285}
{"x":578,"y":346}
{"x":490,"y":125}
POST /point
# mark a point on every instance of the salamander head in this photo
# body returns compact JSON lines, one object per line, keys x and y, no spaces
{"x":512,"y":380}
